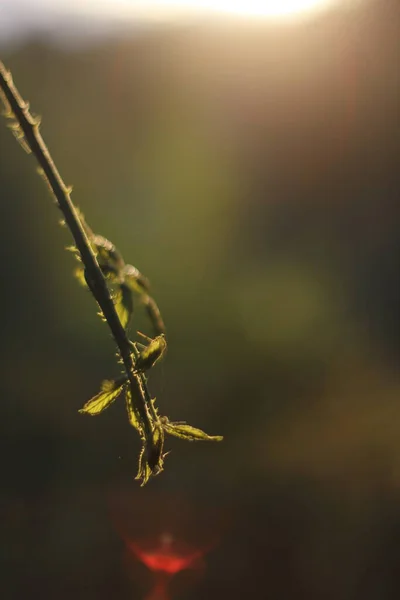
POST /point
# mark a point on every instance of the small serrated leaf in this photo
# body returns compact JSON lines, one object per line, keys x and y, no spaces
{"x":155,"y":451}
{"x":103,"y":399}
{"x":151,"y":353}
{"x":151,"y":459}
{"x":123,"y":301}
{"x":187,"y":432}
{"x":133,"y":417}
{"x":144,"y":471}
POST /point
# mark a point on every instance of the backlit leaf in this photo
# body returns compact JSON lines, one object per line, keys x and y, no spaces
{"x":187,"y":432}
{"x":151,"y":353}
{"x":151,"y":459}
{"x":123,"y":300}
{"x":133,"y":417}
{"x":110,"y":390}
{"x":144,"y":472}
{"x":155,"y":451}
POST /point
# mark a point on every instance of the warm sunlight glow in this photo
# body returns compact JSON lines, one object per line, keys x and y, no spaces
{"x":258,"y":7}
{"x":172,"y":10}
{"x":245,"y":8}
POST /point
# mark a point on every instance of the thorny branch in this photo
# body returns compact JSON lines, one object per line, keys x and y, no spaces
{"x":101,"y":261}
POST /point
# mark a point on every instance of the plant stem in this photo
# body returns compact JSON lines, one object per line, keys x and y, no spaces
{"x":96,"y":281}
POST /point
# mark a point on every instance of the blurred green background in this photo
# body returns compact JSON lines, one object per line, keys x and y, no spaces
{"x":251,"y":171}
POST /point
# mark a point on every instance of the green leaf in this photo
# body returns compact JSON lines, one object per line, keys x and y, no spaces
{"x":155,"y":451}
{"x":133,"y":416}
{"x":187,"y":432}
{"x":151,"y":353}
{"x":110,"y":390}
{"x":144,"y":472}
{"x":151,"y":458}
{"x":123,"y":300}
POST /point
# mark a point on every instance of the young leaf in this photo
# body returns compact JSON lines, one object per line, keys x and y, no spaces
{"x":151,"y":353}
{"x":151,"y":459}
{"x":154,"y":451}
{"x":110,"y":390}
{"x":123,"y":300}
{"x":144,"y":471}
{"x":133,"y":417}
{"x":187,"y":432}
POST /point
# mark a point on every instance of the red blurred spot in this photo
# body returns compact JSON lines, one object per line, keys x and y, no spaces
{"x":166,"y":555}
{"x":168,"y":534}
